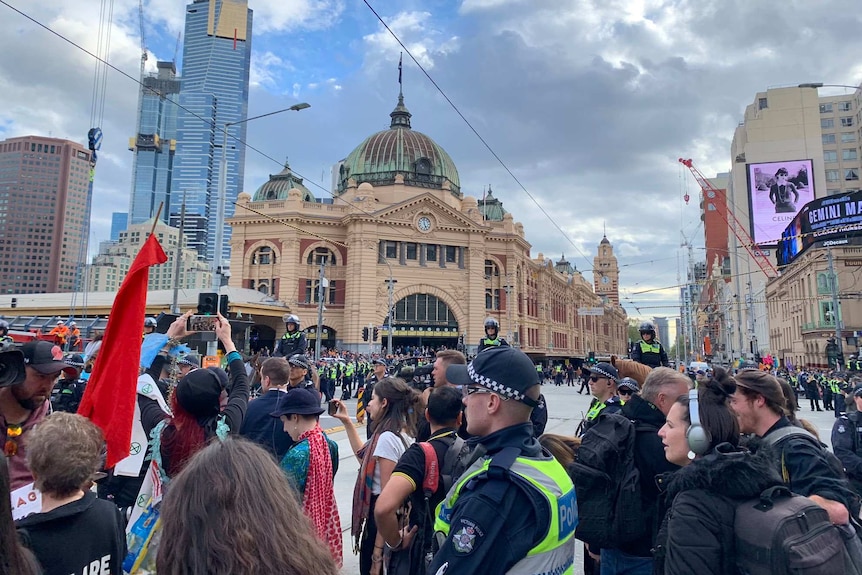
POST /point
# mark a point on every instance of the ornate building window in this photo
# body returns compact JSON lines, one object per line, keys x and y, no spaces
{"x":263,"y":256}
{"x":491,"y":269}
{"x":311,"y":292}
{"x":321,"y":254}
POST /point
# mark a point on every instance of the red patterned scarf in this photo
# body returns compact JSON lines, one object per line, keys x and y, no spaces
{"x":362,"y":490}
{"x":319,"y":500}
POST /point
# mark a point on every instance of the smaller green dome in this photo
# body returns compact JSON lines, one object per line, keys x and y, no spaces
{"x":491,"y":208}
{"x":278,"y":186}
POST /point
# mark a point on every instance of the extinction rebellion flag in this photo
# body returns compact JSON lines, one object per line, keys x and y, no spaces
{"x":109,"y":399}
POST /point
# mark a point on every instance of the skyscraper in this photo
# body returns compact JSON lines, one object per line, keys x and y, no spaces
{"x":154,"y":146}
{"x":44,"y":223}
{"x":119,"y":222}
{"x":214,"y":93}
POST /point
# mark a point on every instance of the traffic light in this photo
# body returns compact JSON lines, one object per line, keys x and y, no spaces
{"x":365,"y":333}
{"x":208,"y":303}
{"x":592,"y":357}
{"x":374,"y":335}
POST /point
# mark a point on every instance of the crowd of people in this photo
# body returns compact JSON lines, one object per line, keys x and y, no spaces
{"x":235,"y":475}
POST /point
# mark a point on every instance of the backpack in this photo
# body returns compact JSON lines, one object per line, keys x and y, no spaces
{"x":607,"y":483}
{"x":781,"y":533}
{"x":456,"y":460}
{"x":454,"y":463}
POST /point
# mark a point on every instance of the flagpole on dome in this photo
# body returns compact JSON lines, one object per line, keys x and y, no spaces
{"x":400,"y":85}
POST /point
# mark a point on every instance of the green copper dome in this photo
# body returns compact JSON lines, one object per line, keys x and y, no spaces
{"x":278,"y":186}
{"x":491,"y":207}
{"x":400,"y":150}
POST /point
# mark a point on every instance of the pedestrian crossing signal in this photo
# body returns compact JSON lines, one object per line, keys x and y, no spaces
{"x":374,"y":335}
{"x":365,"y":333}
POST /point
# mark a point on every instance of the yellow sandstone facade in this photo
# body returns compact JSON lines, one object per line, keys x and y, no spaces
{"x":399,"y":214}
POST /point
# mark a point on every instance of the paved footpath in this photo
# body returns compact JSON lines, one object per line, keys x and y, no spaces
{"x":566,"y":408}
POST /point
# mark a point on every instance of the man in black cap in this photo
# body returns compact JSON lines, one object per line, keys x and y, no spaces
{"x":25,"y":404}
{"x":603,"y":387}
{"x":514,"y":508}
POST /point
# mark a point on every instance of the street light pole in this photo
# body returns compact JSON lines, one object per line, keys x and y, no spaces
{"x":218,"y":254}
{"x":389,"y":312}
{"x":321,"y":290}
{"x":836,"y":315}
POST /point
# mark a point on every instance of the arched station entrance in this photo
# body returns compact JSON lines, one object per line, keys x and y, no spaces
{"x":327,"y":336}
{"x":422,"y":320}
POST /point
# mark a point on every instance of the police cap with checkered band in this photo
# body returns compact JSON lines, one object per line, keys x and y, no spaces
{"x":506,"y":371}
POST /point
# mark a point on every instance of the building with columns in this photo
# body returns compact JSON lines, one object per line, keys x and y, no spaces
{"x":399,"y":214}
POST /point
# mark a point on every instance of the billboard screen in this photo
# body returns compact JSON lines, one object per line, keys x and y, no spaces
{"x":836,"y":219}
{"x":776,"y":193}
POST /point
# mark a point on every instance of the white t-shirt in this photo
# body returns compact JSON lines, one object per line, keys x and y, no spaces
{"x":389,"y":446}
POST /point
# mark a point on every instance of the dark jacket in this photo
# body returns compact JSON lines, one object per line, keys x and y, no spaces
{"x":72,"y":537}
{"x":809,"y":468}
{"x":288,"y":346}
{"x":697,"y":533}
{"x":651,"y":462}
{"x":504,"y":520}
{"x":267,"y":431}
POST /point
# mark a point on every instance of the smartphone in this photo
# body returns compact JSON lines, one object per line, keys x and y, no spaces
{"x":333,"y":408}
{"x":201,"y":323}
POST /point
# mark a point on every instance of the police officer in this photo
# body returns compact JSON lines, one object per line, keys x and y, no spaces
{"x":379,"y":373}
{"x":492,"y":335}
{"x":649,"y":351}
{"x":69,"y":390}
{"x":150,"y":325}
{"x":4,"y":328}
{"x":293,"y":340}
{"x":603,"y":387}
{"x":847,"y":442}
{"x":513,"y":510}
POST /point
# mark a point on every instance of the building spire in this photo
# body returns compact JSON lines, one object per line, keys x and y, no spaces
{"x":400,"y":115}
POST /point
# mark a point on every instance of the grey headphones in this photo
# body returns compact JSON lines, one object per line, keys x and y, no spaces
{"x":698,"y":438}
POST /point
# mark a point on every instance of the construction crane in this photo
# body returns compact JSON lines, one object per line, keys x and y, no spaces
{"x":734,"y":224}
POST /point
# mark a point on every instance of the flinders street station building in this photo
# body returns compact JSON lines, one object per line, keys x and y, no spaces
{"x":399,"y":214}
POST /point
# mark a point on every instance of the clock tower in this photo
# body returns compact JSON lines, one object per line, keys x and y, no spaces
{"x":606,"y":273}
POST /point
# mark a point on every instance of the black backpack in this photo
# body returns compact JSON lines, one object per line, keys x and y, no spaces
{"x":781,"y":533}
{"x":607,"y":483}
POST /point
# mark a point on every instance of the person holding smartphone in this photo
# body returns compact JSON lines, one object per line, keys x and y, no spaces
{"x":311,"y":464}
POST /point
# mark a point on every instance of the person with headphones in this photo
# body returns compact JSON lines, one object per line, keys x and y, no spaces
{"x":492,"y":335}
{"x":649,"y":351}
{"x":293,"y":341}
{"x":701,"y":435}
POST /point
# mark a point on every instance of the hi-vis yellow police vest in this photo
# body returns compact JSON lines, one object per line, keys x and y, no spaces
{"x":555,"y":553}
{"x":654,"y":347}
{"x":489,"y":341}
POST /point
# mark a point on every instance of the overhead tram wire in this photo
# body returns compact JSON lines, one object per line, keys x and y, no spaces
{"x":476,"y":132}
{"x":201,"y":118}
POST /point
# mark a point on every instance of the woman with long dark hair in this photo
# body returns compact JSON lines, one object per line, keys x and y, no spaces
{"x":393,"y":409}
{"x":697,"y":534}
{"x":197,"y":414}
{"x":231,"y":511}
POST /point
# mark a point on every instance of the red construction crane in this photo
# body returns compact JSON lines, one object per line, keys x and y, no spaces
{"x":735,"y":226}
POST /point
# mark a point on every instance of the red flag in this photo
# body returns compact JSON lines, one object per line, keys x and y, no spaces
{"x":109,"y":399}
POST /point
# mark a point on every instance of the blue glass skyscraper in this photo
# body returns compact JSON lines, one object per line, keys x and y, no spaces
{"x":214,"y":92}
{"x":154,"y":146}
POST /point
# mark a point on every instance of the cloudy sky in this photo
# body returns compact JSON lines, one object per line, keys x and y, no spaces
{"x":588,"y":102}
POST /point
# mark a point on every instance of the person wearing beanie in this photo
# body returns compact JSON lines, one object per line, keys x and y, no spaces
{"x":196,"y":406}
{"x":799,"y":457}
